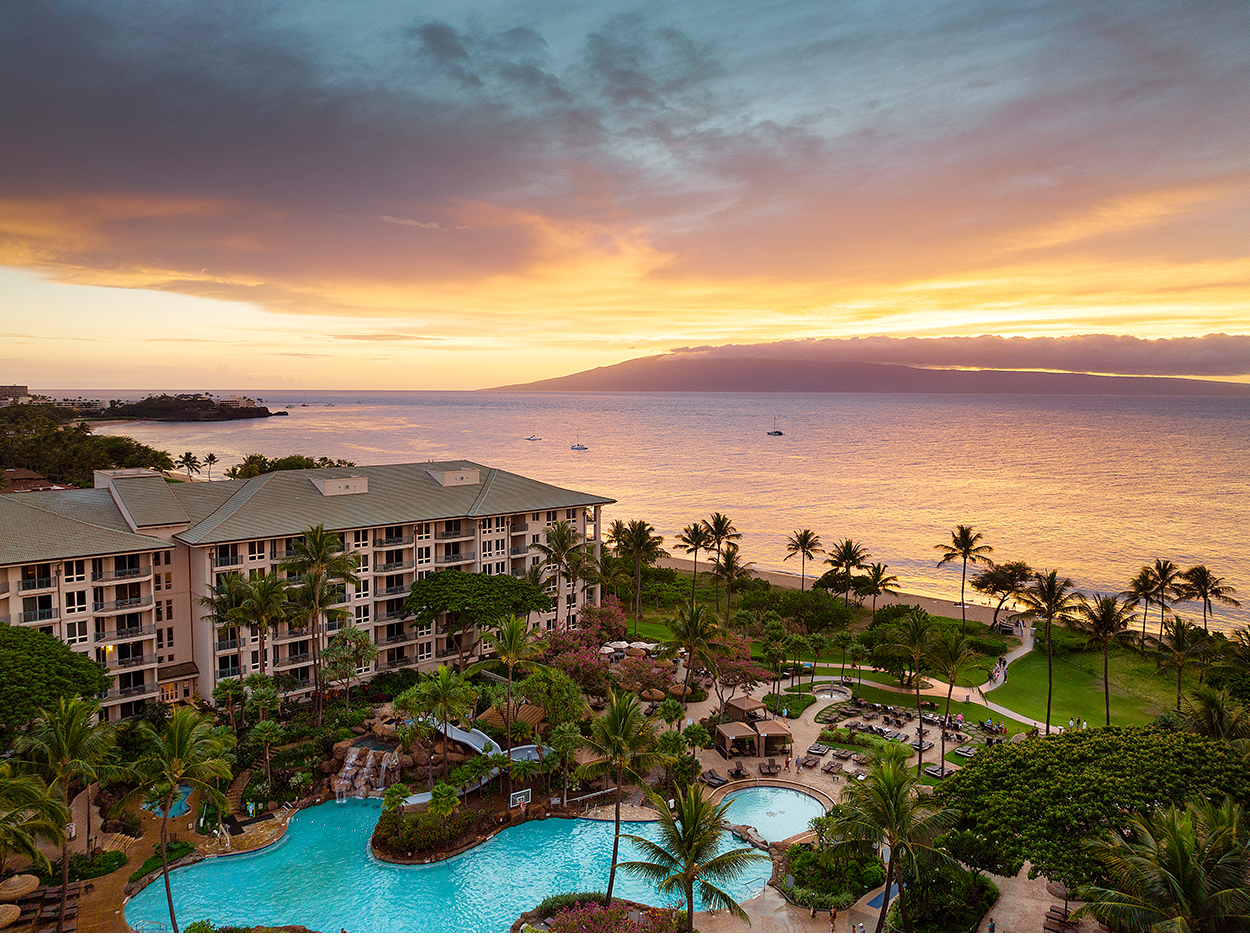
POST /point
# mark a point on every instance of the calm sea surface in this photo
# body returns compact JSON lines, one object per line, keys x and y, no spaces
{"x":1092,"y":486}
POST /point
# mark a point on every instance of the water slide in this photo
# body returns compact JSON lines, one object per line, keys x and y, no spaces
{"x":481,"y":743}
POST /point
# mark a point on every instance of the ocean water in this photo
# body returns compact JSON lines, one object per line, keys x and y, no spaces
{"x":1092,"y":486}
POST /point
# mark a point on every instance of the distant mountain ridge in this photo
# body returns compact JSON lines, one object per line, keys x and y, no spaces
{"x":682,"y":372}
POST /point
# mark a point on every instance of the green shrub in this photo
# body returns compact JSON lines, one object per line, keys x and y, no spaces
{"x":820,"y":873}
{"x":948,"y":899}
{"x":80,"y":867}
{"x":419,"y":833}
{"x":175,"y":850}
{"x":989,"y":646}
{"x":821,"y":901}
{"x":793,"y":703}
{"x":393,"y":682}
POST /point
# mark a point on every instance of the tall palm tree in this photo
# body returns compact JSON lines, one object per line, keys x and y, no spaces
{"x":965,"y":545}
{"x":730,"y":570}
{"x":913,"y":636}
{"x":1183,"y":644}
{"x":1200,"y":584}
{"x":695,"y":537}
{"x":209,"y":461}
{"x":1166,"y":573}
{"x":623,"y":741}
{"x":885,"y":810}
{"x":518,"y":646}
{"x":804,"y":544}
{"x":321,"y":564}
{"x":848,"y":556}
{"x":949,"y":654}
{"x":1183,"y":869}
{"x":566,"y":740}
{"x":563,"y":553}
{"x":695,"y":632}
{"x":265,"y":604}
{"x":226,"y":603}
{"x":67,"y":746}
{"x":644,"y":546}
{"x":29,"y":813}
{"x":266,"y":734}
{"x":189,"y":463}
{"x":443,"y":695}
{"x":190,"y":751}
{"x":607,"y":571}
{"x":1051,"y":599}
{"x":686,"y":853}
{"x":843,"y":640}
{"x":1141,"y":588}
{"x":723,"y":532}
{"x":1107,"y":619}
{"x":879,"y":582}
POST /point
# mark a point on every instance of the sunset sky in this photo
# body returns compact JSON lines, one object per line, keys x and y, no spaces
{"x":432,"y":195}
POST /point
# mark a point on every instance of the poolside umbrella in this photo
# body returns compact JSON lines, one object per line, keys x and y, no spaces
{"x":18,"y":886}
{"x":8,"y":914}
{"x":652,"y":695}
{"x":607,"y":650}
{"x":618,"y":645}
{"x":642,"y":645}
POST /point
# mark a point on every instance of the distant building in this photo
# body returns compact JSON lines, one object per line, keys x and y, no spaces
{"x":118,"y":571}
{"x":17,"y":479}
{"x":14,"y":390}
{"x":236,"y":401}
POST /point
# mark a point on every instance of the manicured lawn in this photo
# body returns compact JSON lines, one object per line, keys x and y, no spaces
{"x":1077,"y":692}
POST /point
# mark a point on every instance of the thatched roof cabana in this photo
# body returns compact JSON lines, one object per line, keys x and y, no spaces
{"x":528,"y":713}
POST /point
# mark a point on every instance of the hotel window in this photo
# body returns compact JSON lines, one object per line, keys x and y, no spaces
{"x":360,"y":538}
{"x":169,"y":615}
{"x":551,"y":517}
{"x":362,"y":563}
{"x":501,"y":567}
{"x":423,"y":554}
{"x":160,"y":632}
{"x":425,"y":650}
{"x":424,"y":631}
{"x":161,"y":558}
{"x":421,"y":531}
{"x":75,"y":571}
{"x":533,"y":538}
{"x":76,"y":632}
{"x":160,"y":616}
{"x":256,"y":550}
{"x":535,"y":516}
{"x":362,"y":590}
{"x":570,"y":514}
{"x":362,"y":614}
{"x":75,"y":602}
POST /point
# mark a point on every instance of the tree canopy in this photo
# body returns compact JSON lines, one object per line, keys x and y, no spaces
{"x":472,"y":598}
{"x":1041,"y":800}
{"x":32,"y":437}
{"x":36,"y":670}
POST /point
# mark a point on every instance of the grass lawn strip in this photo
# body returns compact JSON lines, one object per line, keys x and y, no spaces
{"x":1077,"y":693}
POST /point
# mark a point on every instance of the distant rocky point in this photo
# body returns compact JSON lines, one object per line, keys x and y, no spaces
{"x":723,"y":374}
{"x":188,"y":408}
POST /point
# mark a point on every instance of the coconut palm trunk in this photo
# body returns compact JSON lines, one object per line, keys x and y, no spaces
{"x":616,"y":838}
{"x":169,"y":894}
{"x":885,"y":898}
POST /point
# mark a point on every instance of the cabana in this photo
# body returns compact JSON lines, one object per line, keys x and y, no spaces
{"x":745,"y":709}
{"x":734,"y":739}
{"x":774,"y":737}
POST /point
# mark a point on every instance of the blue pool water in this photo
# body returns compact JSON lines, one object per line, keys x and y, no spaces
{"x":179,"y":806}
{"x":322,"y":875}
{"x":776,"y":812}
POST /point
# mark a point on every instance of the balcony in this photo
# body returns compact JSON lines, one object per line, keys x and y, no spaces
{"x":131,"y":572}
{"x":397,"y":615}
{"x":221,"y":562}
{"x":334,"y":624}
{"x":141,"y":601}
{"x":228,"y":645}
{"x":394,"y":664}
{"x":455,"y":534}
{"x":4,"y":587}
{"x":36,"y":585}
{"x":451,"y":559}
{"x":122,"y":634}
{"x":292,"y":633}
{"x":39,"y":614}
{"x":518,"y":551}
{"x":398,"y":638}
{"x":518,"y":528}
{"x":225,"y":672}
{"x":390,"y":567}
{"x":281,"y":554}
{"x":141,"y":689}
{"x":394,"y":590}
{"x":391,"y":541}
{"x":126,"y":663}
{"x":4,"y":619}
{"x":294,"y":659}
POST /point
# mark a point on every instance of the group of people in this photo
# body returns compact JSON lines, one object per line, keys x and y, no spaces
{"x":833,"y":923}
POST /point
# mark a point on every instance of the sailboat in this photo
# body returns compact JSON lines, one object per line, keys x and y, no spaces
{"x":533,"y":438}
{"x":577,"y":446}
{"x":774,"y":431}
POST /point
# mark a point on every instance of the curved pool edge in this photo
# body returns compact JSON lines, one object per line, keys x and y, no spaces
{"x":733,"y":787}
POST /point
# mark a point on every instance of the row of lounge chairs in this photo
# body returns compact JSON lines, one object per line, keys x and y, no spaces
{"x":1059,"y":921}
{"x":44,"y":905}
{"x":712,"y":778}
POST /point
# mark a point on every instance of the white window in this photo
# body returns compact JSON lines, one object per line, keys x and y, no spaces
{"x":423,"y":555}
{"x":362,"y":563}
{"x":76,"y":632}
{"x":75,"y":571}
{"x":362,"y":614}
{"x":424,"y":631}
{"x":256,"y":550}
{"x":422,"y":574}
{"x":570,"y":514}
{"x":75,"y":602}
{"x":360,"y":538}
{"x":362,"y":590}
{"x":425,"y":650}
{"x":421,"y":531}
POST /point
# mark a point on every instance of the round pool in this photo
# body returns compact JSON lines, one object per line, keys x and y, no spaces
{"x":179,"y":806}
{"x":776,"y":812}
{"x":323,"y":876}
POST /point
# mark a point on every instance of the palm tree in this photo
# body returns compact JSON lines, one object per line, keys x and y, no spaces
{"x":190,"y":751}
{"x":1165,"y":574}
{"x":884,"y":810}
{"x":695,"y":537}
{"x":723,"y":532}
{"x":1218,"y":715}
{"x":847,"y":556}
{"x":686,"y":853}
{"x":517,"y":647}
{"x":189,"y":463}
{"x":1183,"y":644}
{"x":266,"y":734}
{"x":1183,"y":869}
{"x":1199,"y":583}
{"x":225,"y":603}
{"x":443,"y":801}
{"x":209,"y":461}
{"x":1142,"y":589}
{"x":913,"y":636}
{"x":444,"y":695}
{"x":804,"y":544}
{"x":624,"y":743}
{"x":606,"y":571}
{"x":670,"y":712}
{"x":843,"y":640}
{"x":644,"y":547}
{"x":964,"y":545}
{"x":321,"y":564}
{"x":695,"y":632}
{"x":616,"y":535}
{"x":730,"y":570}
{"x":879,"y":582}
{"x":393,"y":799}
{"x":563,"y":553}
{"x":949,"y":654}
{"x":566,"y":740}
{"x":229,"y":694}
{"x":264,"y":604}
{"x":67,"y":746}
{"x":1106,"y":619}
{"x":1053,"y":600}
{"x":29,"y":813}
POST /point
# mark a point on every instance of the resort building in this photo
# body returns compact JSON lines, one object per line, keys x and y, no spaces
{"x":119,"y":571}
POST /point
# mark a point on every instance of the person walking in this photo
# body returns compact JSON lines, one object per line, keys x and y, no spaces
{"x":833,"y":920}
{"x":991,"y":928}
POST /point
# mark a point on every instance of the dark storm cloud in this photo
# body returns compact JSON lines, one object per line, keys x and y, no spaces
{"x":1210,"y":355}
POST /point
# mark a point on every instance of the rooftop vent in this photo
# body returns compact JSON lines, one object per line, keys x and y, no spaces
{"x":454,"y":477}
{"x":344,"y":485}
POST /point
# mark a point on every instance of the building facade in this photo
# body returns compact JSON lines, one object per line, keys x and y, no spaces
{"x":121,"y":571}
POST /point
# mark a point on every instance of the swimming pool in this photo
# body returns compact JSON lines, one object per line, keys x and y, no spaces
{"x":179,"y":806}
{"x":776,"y":812}
{"x":322,"y":875}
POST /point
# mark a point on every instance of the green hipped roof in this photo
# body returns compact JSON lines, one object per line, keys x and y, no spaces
{"x":282,"y":504}
{"x":45,"y":526}
{"x":150,"y":502}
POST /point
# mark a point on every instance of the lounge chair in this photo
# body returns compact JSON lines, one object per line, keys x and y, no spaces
{"x":830,"y":767}
{"x":712,"y":779}
{"x":738,"y":771}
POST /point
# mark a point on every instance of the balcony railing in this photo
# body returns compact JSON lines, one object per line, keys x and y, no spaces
{"x":122,"y":633}
{"x":394,"y":590}
{"x":281,"y":554}
{"x":294,"y":659}
{"x":4,"y":587}
{"x":140,"y":601}
{"x":125,"y":663}
{"x":40,"y":614}
{"x":393,"y":664}
{"x":130,"y":572}
{"x":396,"y":615}
{"x":34,"y":585}
{"x":129,"y":691}
{"x":389,"y":567}
{"x":518,"y":528}
{"x":518,"y":551}
{"x":450,"y":559}
{"x":292,"y":633}
{"x":234,"y":559}
{"x":225,"y":672}
{"x":455,"y":534}
{"x":228,"y":645}
{"x":398,"y":638}
{"x":391,"y":541}
{"x":334,"y":624}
